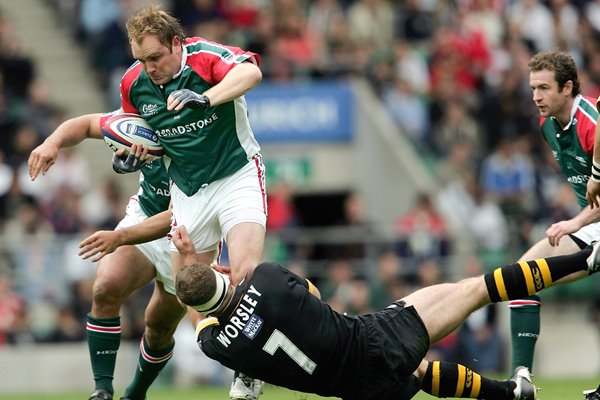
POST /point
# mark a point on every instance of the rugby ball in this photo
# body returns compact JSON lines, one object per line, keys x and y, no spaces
{"x":124,"y":130}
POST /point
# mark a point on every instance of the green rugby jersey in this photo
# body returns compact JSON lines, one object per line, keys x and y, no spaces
{"x":201,"y":146}
{"x":573,"y":145}
{"x":154,"y":194}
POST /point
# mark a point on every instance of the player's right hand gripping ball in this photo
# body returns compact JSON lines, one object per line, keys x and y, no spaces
{"x":191,"y":99}
{"x":126,"y":163}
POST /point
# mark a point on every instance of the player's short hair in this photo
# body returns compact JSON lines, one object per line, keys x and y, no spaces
{"x":561,"y":63}
{"x":151,"y":20}
{"x":195,"y":284}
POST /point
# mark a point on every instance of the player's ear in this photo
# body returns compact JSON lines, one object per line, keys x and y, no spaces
{"x":176,"y":43}
{"x":568,"y":88}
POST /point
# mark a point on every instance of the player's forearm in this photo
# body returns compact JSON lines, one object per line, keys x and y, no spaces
{"x":596,"y":156}
{"x":155,"y":227}
{"x":588,"y":216}
{"x":75,"y":130}
{"x":236,"y":83}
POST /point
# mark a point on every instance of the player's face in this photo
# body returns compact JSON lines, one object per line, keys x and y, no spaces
{"x":160,"y":62}
{"x":549,"y":100}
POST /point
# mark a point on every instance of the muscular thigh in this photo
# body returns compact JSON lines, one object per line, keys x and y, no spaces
{"x":543,"y":249}
{"x":124,"y":270}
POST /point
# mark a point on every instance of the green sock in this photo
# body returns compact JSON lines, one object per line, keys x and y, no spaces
{"x":104,"y":337}
{"x":525,"y":329}
{"x":150,"y":363}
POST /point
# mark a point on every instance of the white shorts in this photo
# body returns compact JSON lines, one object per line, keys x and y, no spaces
{"x":158,"y":251}
{"x":589,"y":233}
{"x":212,"y":211}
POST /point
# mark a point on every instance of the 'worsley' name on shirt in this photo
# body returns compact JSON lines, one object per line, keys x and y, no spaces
{"x":243,"y":319}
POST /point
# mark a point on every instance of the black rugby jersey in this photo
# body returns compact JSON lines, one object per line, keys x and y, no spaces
{"x":277,"y":331}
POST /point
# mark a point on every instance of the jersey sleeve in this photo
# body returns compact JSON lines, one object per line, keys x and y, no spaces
{"x":127,"y":81}
{"x":312,"y":289}
{"x":106,"y":116}
{"x":203,"y":325}
{"x":586,"y":130}
{"x":215,"y":60}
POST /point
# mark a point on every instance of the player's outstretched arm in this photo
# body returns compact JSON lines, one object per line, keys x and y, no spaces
{"x":102,"y":243}
{"x":184,"y":245}
{"x":69,"y":133}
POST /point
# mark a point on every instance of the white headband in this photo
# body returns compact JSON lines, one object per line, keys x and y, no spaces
{"x":218,"y":298}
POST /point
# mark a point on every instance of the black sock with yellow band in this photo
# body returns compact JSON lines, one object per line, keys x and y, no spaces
{"x":526,"y":278}
{"x":446,"y":379}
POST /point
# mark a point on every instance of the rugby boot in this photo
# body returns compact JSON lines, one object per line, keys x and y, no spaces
{"x":100,"y":394}
{"x":593,"y":261}
{"x":525,"y":390}
{"x":245,"y":388}
{"x":593,"y":394}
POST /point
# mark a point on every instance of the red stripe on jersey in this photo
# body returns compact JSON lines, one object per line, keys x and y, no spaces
{"x":106,"y":116}
{"x":219,"y":251}
{"x":586,"y":127}
{"x":261,"y":180}
{"x":103,"y":329}
{"x":521,"y":303}
{"x":210,"y":66}
{"x":130,"y":76}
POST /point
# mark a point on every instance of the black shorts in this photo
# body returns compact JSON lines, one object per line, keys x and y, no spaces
{"x":397,"y":342}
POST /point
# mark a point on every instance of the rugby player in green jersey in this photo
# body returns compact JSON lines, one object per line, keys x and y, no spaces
{"x":191,"y":91}
{"x":128,"y":268}
{"x":568,"y":124}
{"x":593,"y":196}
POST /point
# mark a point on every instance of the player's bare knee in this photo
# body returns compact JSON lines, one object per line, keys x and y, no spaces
{"x":107,"y":293}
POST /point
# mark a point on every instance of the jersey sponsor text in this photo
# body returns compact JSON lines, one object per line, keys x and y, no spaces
{"x":191,"y":127}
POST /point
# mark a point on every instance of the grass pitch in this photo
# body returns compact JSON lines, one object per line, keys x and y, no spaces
{"x":551,"y":389}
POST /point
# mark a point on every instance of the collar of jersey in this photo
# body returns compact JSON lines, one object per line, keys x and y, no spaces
{"x":576,"y":101}
{"x":184,"y":55}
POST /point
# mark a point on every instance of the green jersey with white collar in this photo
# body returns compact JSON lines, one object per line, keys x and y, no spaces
{"x":201,"y":146}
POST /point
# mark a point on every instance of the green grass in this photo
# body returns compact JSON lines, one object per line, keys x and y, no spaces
{"x":551,"y":389}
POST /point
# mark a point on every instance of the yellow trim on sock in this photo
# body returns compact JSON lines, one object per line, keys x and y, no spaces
{"x":527,"y":273}
{"x":545,"y":270}
{"x":500,"y":284}
{"x":435,"y":379}
{"x":476,"y":386}
{"x":460,"y":384}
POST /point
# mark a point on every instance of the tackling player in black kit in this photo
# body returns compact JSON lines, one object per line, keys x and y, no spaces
{"x":272,"y":326}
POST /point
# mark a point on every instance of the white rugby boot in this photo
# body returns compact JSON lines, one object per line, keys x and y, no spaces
{"x":244,"y":387}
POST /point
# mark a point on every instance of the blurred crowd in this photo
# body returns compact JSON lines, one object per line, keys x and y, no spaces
{"x":453,"y":76}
